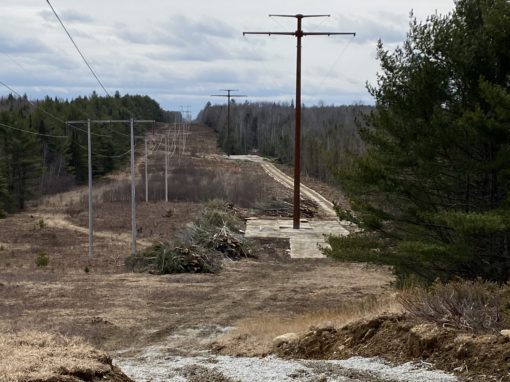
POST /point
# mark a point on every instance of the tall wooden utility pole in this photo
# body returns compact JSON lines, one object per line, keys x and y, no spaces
{"x":297,"y":140}
{"x":229,"y":96}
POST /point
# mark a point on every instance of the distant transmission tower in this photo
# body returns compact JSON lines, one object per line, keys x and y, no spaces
{"x":229,"y":96}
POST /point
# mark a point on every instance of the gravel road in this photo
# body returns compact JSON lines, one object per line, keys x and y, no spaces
{"x":161,"y":364}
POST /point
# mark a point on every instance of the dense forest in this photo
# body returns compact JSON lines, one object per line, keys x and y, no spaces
{"x":329,"y":133}
{"x":432,"y":189}
{"x":41,"y":154}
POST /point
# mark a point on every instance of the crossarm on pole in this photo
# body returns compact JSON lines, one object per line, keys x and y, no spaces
{"x":271,"y":33}
{"x":299,"y":16}
{"x":328,"y":33}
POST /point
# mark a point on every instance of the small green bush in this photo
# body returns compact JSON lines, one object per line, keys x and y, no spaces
{"x":41,"y":259}
{"x":41,"y":224}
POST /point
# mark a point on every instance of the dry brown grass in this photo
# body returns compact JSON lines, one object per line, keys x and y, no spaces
{"x":254,"y":336}
{"x":32,"y":355}
{"x":480,"y":306}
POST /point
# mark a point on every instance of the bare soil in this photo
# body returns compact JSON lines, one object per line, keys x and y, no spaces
{"x":100,"y":301}
{"x":104,"y":305}
{"x":401,"y":339}
{"x":123,"y":313}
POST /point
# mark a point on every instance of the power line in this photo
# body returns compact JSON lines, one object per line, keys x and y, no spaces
{"x":24,"y":69}
{"x":335,"y":62}
{"x":299,"y":34}
{"x":83,"y":56}
{"x":14,"y":61}
{"x":229,"y":96}
{"x":38,"y":106}
{"x":33,"y":132}
{"x":116,"y":132}
{"x":107,"y":156}
{"x":78,"y":49}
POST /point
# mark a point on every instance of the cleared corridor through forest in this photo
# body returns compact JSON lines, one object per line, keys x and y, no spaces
{"x":307,"y":241}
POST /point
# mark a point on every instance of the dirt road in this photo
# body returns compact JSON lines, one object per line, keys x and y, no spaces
{"x":285,"y":180}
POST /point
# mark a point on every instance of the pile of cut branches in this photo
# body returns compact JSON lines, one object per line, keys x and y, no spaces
{"x":284,"y":208}
{"x":164,"y":258}
{"x":231,"y":245}
{"x":200,"y":248}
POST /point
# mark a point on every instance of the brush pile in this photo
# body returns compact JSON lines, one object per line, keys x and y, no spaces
{"x":200,"y":248}
{"x":284,"y":208}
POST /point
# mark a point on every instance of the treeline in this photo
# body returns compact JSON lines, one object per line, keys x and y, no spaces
{"x":40,"y":154}
{"x":329,"y":133}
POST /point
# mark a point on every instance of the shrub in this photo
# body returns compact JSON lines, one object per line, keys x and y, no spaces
{"x":164,"y":258}
{"x":41,"y":259}
{"x":200,"y":248}
{"x":468,"y":305}
{"x":218,"y":229}
{"x":41,"y":224}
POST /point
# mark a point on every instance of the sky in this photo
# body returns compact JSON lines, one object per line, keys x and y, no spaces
{"x":182,"y":52}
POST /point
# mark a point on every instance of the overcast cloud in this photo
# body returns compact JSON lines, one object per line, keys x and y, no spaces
{"x":181,"y":52}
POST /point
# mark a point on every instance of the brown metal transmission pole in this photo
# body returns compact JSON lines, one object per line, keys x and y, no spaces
{"x":228,"y":95}
{"x":297,"y":139}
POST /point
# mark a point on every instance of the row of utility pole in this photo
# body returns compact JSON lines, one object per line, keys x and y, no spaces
{"x":299,"y":34}
{"x":178,"y":126}
{"x":131,"y":122}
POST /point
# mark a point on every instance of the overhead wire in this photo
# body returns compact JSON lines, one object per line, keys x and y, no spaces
{"x":61,"y":137}
{"x":107,"y":156}
{"x":39,"y":107}
{"x":33,"y":132}
{"x":89,"y":66}
{"x":116,"y":132}
{"x":57,"y":119}
{"x":78,"y":49}
{"x":314,"y":28}
{"x":13,"y":60}
{"x":156,"y":147}
{"x":335,"y":62}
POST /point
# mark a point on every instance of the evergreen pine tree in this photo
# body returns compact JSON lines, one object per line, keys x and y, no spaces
{"x":77,"y":160}
{"x":432,"y":190}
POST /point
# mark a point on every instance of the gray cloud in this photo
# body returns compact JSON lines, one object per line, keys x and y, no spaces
{"x":12,"y":44}
{"x":67,"y":15}
{"x":187,"y":50}
{"x":179,"y":30}
{"x":372,"y":29}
